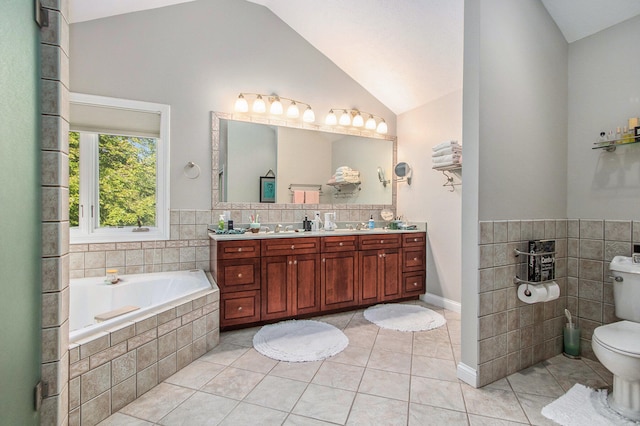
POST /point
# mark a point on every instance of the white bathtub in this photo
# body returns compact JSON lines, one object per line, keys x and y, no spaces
{"x":151,"y":292}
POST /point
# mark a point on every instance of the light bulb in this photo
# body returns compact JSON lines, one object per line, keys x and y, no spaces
{"x":331,"y":119}
{"x":345,"y":120}
{"x":259,"y":105}
{"x":358,"y":121}
{"x":308,"y":116}
{"x":241,"y":104}
{"x":276,"y":106}
{"x":293,"y":111}
{"x":371,"y":123}
{"x":382,"y":128}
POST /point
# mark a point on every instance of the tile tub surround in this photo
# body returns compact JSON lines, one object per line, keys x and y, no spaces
{"x":111,"y":369}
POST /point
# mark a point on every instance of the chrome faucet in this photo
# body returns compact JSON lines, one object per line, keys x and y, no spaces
{"x":288,"y":228}
{"x":265,"y":228}
{"x":277,"y":228}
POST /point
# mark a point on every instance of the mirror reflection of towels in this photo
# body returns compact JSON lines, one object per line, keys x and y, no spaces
{"x":312,"y":197}
{"x":298,"y":197}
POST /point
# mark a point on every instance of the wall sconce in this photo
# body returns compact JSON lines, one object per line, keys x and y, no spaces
{"x":355,"y":118}
{"x":275,"y":106}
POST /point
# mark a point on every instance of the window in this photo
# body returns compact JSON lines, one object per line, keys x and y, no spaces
{"x":118,"y":174}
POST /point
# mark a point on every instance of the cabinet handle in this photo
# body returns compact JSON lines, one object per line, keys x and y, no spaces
{"x":381,"y":241}
{"x":324,"y":259}
{"x":239,"y":308}
{"x":415,"y":240}
{"x":289,"y":262}
{"x":380,"y":255}
{"x":239,"y":275}
{"x":415,"y":284}
{"x":292,"y":246}
{"x":384,"y":254}
{"x":295,"y":262}
{"x":340,"y":244}
{"x":239,"y":248}
{"x":415,"y":258}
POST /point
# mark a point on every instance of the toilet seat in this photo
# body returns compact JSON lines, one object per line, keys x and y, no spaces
{"x":622,"y":337}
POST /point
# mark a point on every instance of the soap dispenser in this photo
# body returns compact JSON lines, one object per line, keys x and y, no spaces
{"x":372,"y":223}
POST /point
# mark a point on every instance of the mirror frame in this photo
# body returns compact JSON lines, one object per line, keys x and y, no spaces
{"x":215,"y":159}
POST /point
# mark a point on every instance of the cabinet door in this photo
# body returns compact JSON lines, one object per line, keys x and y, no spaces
{"x":276,"y":294}
{"x":304,"y":279}
{"x":339,"y":280}
{"x":369,"y":277}
{"x":390,"y":273}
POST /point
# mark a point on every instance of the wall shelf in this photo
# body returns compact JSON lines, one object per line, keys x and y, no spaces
{"x":611,"y":146}
{"x":456,"y":168}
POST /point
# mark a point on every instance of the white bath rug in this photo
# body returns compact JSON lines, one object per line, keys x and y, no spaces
{"x":401,"y":317}
{"x":300,"y":340}
{"x":584,"y":406}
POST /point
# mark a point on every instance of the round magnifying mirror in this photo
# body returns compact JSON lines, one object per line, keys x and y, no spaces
{"x":402,"y":169}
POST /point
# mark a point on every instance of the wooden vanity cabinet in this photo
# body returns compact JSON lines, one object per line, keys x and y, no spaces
{"x":235,"y":266}
{"x":380,"y":260}
{"x":290,"y":277}
{"x":414,"y":261}
{"x":339,"y":274}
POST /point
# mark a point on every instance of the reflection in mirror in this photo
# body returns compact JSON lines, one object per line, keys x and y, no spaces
{"x":310,"y":166}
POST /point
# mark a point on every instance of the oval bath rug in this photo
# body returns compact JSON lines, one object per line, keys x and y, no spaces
{"x":401,"y":317}
{"x":299,"y":340}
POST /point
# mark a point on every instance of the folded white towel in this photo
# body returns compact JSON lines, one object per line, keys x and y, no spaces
{"x":447,"y":151}
{"x":445,"y":158}
{"x":446,"y":144}
{"x":343,"y":169}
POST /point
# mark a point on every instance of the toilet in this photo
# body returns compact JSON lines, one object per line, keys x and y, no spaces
{"x":617,"y":345}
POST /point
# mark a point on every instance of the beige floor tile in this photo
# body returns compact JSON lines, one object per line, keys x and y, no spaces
{"x":196,"y":374}
{"x":475,"y":420}
{"x":440,"y":334}
{"x":233,"y":383}
{"x":277,"y":393}
{"x":295,"y":420}
{"x":434,"y":368}
{"x":535,"y":380}
{"x":438,"y":393}
{"x":425,"y":415}
{"x":119,"y":419}
{"x":253,"y":360}
{"x":500,"y":384}
{"x":302,"y":371}
{"x":457,"y":352}
{"x":386,"y":384}
{"x":600,"y":369}
{"x":361,"y":336}
{"x":451,"y":315}
{"x":337,"y":375}
{"x":251,"y":415}
{"x":532,"y":406}
{"x":353,"y":355}
{"x":493,"y":403}
{"x":374,"y":410}
{"x":390,"y":361}
{"x":325,"y":403}
{"x":158,"y":402}
{"x":394,"y":341}
{"x":243,"y":337}
{"x":340,"y":320}
{"x":433,"y":349}
{"x":224,"y":354}
{"x":200,"y":409}
{"x":568,"y":372}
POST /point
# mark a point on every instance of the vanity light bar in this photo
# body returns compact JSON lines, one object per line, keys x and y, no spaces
{"x":275,"y":106}
{"x":345,"y":119}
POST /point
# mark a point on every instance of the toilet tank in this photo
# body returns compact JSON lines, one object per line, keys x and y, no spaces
{"x":626,"y":293}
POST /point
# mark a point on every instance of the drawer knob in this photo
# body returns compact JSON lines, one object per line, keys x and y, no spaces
{"x":415,"y":240}
{"x":324,"y":259}
{"x":340,"y":244}
{"x":415,"y":258}
{"x":239,"y":248}
{"x":293,"y":246}
{"x":295,"y":262}
{"x":239,"y":308}
{"x":415,"y":284}
{"x":289,"y":262}
{"x":239,"y":275}
{"x":381,"y":241}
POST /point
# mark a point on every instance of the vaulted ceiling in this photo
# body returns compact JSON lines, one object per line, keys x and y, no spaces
{"x":406,"y":53}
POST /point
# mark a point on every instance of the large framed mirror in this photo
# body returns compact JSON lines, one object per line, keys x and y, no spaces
{"x":304,"y":160}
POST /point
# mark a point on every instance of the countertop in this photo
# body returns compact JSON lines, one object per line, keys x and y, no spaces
{"x":322,"y":233}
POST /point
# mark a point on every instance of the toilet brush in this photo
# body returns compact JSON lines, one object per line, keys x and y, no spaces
{"x":568,"y":315}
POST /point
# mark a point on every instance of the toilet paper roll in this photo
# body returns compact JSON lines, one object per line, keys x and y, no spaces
{"x":553,"y":291}
{"x":538,"y":293}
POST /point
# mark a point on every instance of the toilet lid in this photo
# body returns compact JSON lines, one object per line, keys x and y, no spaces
{"x":621,"y":336}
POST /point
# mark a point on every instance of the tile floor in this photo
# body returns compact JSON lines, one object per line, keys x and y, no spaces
{"x":382,"y":378}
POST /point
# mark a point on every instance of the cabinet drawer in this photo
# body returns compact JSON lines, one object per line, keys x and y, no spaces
{"x":240,"y":274}
{"x":237,"y":249}
{"x":413,"y":284}
{"x":414,"y":239}
{"x":370,"y":242}
{"x":241,"y":307}
{"x":413,"y":259}
{"x":336,"y":244}
{"x":287,"y":246}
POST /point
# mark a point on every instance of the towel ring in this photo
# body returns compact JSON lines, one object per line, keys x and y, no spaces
{"x":191,"y":170}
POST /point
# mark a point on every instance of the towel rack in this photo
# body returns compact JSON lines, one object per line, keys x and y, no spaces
{"x":450,"y":181}
{"x":318,"y":187}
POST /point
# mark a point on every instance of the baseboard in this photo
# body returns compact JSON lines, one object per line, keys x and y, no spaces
{"x":441,"y":302}
{"x":467,"y":374}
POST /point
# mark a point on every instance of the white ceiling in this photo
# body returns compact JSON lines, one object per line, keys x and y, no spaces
{"x":406,"y":53}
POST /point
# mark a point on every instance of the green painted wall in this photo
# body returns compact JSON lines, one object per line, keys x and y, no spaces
{"x":20,"y":282}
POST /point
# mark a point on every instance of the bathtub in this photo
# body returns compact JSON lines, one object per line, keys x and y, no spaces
{"x":141,"y":293}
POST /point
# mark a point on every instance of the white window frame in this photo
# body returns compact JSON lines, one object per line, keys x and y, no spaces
{"x":88,"y":230}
